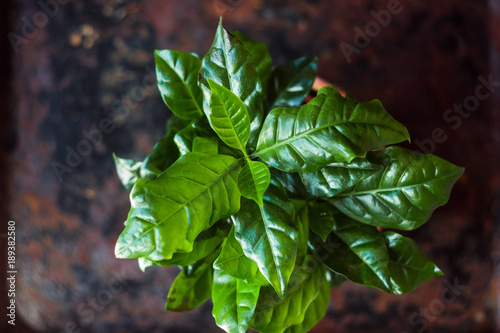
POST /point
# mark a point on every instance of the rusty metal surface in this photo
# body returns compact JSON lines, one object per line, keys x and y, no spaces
{"x":82,"y":87}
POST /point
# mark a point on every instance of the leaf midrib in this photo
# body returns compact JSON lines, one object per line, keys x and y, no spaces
{"x":307,"y":132}
{"x":390,"y":189}
{"x":186,"y":85}
{"x":289,"y":295}
{"x":275,"y":260}
{"x":411,"y":267}
{"x":220,"y":262}
{"x":228,"y":115}
{"x":226,"y":57}
{"x":366,"y":263}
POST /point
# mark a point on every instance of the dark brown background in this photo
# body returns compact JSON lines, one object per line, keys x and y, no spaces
{"x":91,"y":61}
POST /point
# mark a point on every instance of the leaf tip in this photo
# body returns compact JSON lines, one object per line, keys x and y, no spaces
{"x":406,"y":134}
{"x":212,"y":84}
{"x":281,"y":292}
{"x":122,"y":251}
{"x":438,"y":271}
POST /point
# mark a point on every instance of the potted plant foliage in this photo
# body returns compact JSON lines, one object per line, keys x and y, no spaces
{"x":266,"y":202}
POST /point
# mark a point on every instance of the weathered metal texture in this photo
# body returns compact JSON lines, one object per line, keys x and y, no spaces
{"x":92,"y":60}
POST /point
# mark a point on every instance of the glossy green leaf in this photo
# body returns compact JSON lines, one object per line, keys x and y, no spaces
{"x":357,"y":251}
{"x":321,"y":219}
{"x":292,"y":182}
{"x":328,"y":129}
{"x":232,"y":261}
{"x":409,"y":266}
{"x":206,"y":242}
{"x":329,"y":180}
{"x":404,"y":193}
{"x":234,"y":302}
{"x":177,"y":74}
{"x":145,"y":263}
{"x":314,"y":312}
{"x":290,"y":83}
{"x":228,"y":117}
{"x":202,"y":189}
{"x":268,"y":235}
{"x":302,"y":221}
{"x":184,"y":139}
{"x":205,"y":145}
{"x":253,"y":181}
{"x":273,"y":314}
{"x":189,"y":291}
{"x":266,"y":216}
{"x":229,"y":64}
{"x":129,"y":171}
{"x":260,"y":55}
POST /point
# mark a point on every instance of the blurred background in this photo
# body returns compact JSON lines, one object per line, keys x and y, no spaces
{"x":72,"y":68}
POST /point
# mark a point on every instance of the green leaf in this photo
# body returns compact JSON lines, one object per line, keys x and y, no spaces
{"x":314,"y":312}
{"x":188,"y":292}
{"x":321,"y":219}
{"x":267,"y":215}
{"x":232,"y":261}
{"x":292,"y":183}
{"x":202,"y":189}
{"x":177,"y":74}
{"x":329,"y":180}
{"x":404,"y":193}
{"x":228,"y":117}
{"x":409,"y":266}
{"x":234,"y":302}
{"x":253,"y":181}
{"x":268,"y":235}
{"x":290,"y":83}
{"x":206,"y":242}
{"x":357,"y":251}
{"x":260,"y":55}
{"x":328,"y":129}
{"x":129,"y":171}
{"x":145,"y":263}
{"x":184,"y":139}
{"x":273,"y":314}
{"x":205,"y":145}
{"x":302,"y":221}
{"x":229,"y":64}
